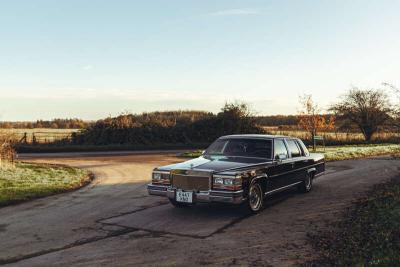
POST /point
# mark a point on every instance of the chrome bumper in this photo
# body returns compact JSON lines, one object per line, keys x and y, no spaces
{"x":234,"y":197}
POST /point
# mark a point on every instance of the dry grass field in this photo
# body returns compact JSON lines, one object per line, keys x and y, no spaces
{"x":332,"y":136}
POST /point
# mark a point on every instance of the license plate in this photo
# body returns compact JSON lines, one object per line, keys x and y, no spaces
{"x":186,"y":197}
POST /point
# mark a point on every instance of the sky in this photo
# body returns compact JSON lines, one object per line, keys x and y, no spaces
{"x":92,"y":59}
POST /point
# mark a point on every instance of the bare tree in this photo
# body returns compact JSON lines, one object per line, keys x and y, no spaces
{"x":310,"y":118}
{"x":396,"y":112}
{"x":367,"y":109}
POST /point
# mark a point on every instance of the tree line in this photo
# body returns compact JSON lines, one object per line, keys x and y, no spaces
{"x":177,"y":127}
{"x":364,"y":110}
{"x":52,"y":124}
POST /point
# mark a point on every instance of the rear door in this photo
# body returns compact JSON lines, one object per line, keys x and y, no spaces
{"x":305,"y":161}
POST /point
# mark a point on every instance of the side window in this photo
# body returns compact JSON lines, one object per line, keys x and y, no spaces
{"x":293,"y":148}
{"x":303,"y":148}
{"x":280,"y":149}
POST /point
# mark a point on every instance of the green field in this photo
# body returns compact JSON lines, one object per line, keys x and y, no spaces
{"x":26,"y":181}
{"x":340,"y":152}
{"x":359,"y":151}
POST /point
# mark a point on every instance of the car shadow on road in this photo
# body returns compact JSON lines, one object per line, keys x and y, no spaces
{"x":197,"y":221}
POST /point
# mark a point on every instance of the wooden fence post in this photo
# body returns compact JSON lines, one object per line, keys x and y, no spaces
{"x":24,"y":139}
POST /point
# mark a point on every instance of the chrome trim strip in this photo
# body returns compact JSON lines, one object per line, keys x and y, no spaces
{"x":226,"y":192}
{"x":234,"y":197}
{"x":193,"y":175}
{"x":159,"y":187}
{"x":297,"y":170}
{"x":162,"y":172}
{"x":281,"y":188}
{"x":311,"y":170}
{"x":269,"y":162}
{"x":225,"y":176}
{"x":319,"y":174}
{"x":157,"y":190}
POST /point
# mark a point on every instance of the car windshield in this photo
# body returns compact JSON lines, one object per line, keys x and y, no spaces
{"x":259,"y":148}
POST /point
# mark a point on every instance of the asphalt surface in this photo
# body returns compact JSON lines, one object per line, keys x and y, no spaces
{"x":113,"y":221}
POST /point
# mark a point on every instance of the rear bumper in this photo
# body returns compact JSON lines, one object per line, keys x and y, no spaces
{"x":234,"y":197}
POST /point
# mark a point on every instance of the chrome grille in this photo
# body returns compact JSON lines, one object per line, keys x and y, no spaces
{"x":191,"y":182}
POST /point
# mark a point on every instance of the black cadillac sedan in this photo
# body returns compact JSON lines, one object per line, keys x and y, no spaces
{"x":239,"y":169}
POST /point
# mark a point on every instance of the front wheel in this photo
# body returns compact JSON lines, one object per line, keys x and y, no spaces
{"x":255,"y":200}
{"x":306,"y":185}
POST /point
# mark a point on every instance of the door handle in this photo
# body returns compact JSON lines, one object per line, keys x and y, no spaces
{"x":292,"y":165}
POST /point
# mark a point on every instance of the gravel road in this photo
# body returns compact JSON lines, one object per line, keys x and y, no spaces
{"x":114,"y":222}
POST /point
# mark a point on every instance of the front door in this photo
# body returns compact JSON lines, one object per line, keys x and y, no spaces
{"x":298,"y":161}
{"x":279,"y":173}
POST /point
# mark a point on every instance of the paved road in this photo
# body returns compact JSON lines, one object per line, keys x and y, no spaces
{"x":114,"y":222}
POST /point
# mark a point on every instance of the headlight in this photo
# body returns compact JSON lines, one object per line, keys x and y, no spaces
{"x":228,"y":182}
{"x":161,"y":177}
{"x":156,"y":176}
{"x":218,"y":181}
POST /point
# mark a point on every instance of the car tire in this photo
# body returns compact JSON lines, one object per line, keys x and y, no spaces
{"x":306,"y":185}
{"x":255,"y":201}
{"x":177,"y":204}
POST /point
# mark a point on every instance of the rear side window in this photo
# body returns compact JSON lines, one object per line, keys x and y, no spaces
{"x":293,"y":148}
{"x":303,"y":148}
{"x":280,"y":149}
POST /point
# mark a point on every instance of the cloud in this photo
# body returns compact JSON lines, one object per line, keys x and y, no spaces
{"x":235,"y":12}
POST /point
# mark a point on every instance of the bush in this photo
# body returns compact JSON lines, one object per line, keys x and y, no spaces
{"x":175,"y":127}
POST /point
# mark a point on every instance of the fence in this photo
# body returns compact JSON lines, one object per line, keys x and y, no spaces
{"x":43,"y":137}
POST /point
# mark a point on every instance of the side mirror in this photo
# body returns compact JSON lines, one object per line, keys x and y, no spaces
{"x":203,"y":152}
{"x":281,"y":157}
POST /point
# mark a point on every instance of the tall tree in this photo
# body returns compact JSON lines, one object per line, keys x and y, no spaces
{"x":367,"y":109}
{"x":237,"y":118}
{"x":310,"y":118}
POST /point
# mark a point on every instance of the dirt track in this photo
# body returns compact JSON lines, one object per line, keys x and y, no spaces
{"x":114,"y":222}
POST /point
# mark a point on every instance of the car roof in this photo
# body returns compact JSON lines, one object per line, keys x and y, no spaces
{"x":256,"y":136}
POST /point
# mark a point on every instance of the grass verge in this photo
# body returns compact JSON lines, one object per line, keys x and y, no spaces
{"x":26,"y":181}
{"x":359,"y":151}
{"x":340,"y":152}
{"x":369,"y":234}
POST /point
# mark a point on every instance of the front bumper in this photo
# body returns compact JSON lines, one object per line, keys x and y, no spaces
{"x":234,"y":197}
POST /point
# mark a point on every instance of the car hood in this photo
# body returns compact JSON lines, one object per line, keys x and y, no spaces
{"x":216,"y":163}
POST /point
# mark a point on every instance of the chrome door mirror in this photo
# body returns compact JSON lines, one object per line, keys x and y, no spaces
{"x":280,"y":157}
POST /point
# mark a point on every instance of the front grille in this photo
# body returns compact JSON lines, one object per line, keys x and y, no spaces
{"x":190,"y":182}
